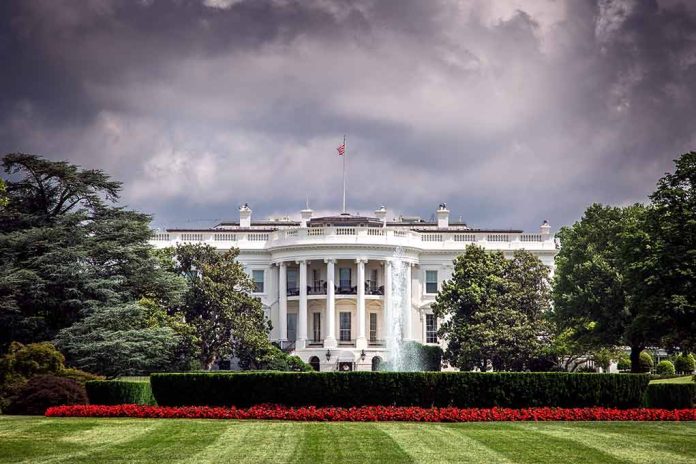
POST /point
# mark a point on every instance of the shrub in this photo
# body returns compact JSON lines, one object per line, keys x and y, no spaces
{"x":646,"y":362}
{"x":425,"y":389}
{"x":587,"y":369}
{"x":670,"y":395}
{"x":78,"y":375}
{"x":44,"y":391}
{"x":664,"y":368}
{"x":685,"y":363}
{"x":624,"y":363}
{"x":119,"y":392}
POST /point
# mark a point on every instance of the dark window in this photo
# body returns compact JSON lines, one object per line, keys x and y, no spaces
{"x":258,"y":276}
{"x":430,"y":328}
{"x":373,"y":327}
{"x":292,"y":280}
{"x":344,"y":278}
{"x":430,"y":281}
{"x":376,"y":363}
{"x":292,"y":327}
{"x":344,"y":326}
{"x":314,"y":362}
{"x":316,"y":326}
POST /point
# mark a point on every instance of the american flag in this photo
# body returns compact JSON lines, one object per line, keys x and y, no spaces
{"x":341,"y":149}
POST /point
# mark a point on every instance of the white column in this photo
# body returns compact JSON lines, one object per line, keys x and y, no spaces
{"x":408,"y":323}
{"x":283,"y":301}
{"x":361,"y":341}
{"x":302,"y":317}
{"x":330,"y":338}
{"x":387,"y":298}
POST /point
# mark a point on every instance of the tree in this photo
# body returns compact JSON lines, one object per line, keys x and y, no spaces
{"x":65,"y":249}
{"x":228,"y":319}
{"x":596,"y":293}
{"x":494,"y":310}
{"x":669,"y":264}
{"x":120,"y":340}
{"x":3,"y":194}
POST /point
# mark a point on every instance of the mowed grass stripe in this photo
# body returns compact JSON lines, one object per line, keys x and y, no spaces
{"x":348,"y":443}
{"x":675,"y":443}
{"x":435,"y":443}
{"x":250,"y":442}
{"x":525,"y":446}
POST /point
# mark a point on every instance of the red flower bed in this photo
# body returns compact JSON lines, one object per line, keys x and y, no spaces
{"x":375,"y":413}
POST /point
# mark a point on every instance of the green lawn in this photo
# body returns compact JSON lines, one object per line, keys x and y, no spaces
{"x":75,"y":440}
{"x":685,"y":379}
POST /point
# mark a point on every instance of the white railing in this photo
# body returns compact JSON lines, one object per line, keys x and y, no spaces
{"x":362,"y":235}
{"x":345,"y":230}
{"x":225,"y":237}
{"x":431,"y":237}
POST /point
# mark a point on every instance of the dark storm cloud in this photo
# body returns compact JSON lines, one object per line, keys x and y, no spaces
{"x":511,"y":111}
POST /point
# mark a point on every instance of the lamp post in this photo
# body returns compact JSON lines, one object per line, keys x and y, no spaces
{"x":328,"y":355}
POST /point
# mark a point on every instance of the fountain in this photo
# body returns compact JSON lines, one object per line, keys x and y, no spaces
{"x":401,"y":359}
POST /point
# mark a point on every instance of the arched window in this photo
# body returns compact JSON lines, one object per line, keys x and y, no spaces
{"x":314,"y":362}
{"x":376,"y":363}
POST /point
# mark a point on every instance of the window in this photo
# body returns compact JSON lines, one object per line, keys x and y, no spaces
{"x":292,"y":281}
{"x":258,"y":276}
{"x":430,"y":281}
{"x":344,"y":326}
{"x":314,"y":362}
{"x":344,"y":278}
{"x":373,"y":327}
{"x":376,"y":363}
{"x":316,"y":327}
{"x":316,"y":281}
{"x":292,"y":327}
{"x":373,"y":281}
{"x":430,"y":328}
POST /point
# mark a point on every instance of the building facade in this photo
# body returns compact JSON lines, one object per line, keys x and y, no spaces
{"x":326,"y":282}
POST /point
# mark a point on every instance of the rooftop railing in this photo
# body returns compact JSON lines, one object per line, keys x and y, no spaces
{"x":358,"y":235}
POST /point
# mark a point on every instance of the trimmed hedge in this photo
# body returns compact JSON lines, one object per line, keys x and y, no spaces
{"x":670,"y":395}
{"x":119,"y":392}
{"x":424,"y":389}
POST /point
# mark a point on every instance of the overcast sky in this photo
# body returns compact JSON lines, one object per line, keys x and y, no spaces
{"x":511,"y":111}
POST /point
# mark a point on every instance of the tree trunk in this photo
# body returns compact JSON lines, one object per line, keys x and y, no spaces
{"x":635,"y":358}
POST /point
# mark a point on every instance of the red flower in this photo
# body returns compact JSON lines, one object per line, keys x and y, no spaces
{"x":374,"y":413}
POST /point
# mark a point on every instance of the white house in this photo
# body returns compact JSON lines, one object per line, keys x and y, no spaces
{"x":326,"y":282}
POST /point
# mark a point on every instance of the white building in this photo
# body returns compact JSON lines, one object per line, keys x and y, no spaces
{"x":325,"y":281}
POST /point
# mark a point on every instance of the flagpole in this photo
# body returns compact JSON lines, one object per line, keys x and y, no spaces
{"x":344,"y":173}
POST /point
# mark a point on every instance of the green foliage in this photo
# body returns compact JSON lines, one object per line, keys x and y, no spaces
{"x":43,"y":391}
{"x":228,"y":320}
{"x":669,"y":264}
{"x":23,"y":362}
{"x":670,"y":395}
{"x":595,"y":288}
{"x":66,"y":249}
{"x":624,"y":363}
{"x":119,"y":392}
{"x":271,"y":358}
{"x":427,"y":357}
{"x":119,"y":340}
{"x":494,"y":310}
{"x":3,"y":194}
{"x":664,"y":368}
{"x":685,"y":363}
{"x":462,"y":389}
{"x":646,"y":362}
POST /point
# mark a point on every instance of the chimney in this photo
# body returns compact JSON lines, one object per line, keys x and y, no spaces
{"x":244,"y":215}
{"x":442,"y":215}
{"x":545,"y":231}
{"x":381,"y":214}
{"x":306,"y":215}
